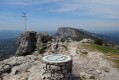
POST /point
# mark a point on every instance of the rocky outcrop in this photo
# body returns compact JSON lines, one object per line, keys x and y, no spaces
{"x":29,"y":41}
{"x":42,"y":40}
{"x":21,"y":68}
{"x":87,"y":41}
{"x":5,"y":68}
{"x":74,"y":34}
{"x":85,"y":76}
{"x":26,"y":43}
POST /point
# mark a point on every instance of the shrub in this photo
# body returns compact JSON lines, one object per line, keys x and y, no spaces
{"x":65,"y":47}
{"x":83,"y":52}
{"x":42,"y":50}
{"x":98,"y":41}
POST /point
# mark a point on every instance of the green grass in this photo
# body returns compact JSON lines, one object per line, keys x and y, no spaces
{"x":101,"y":48}
{"x":112,"y":54}
{"x":117,"y":63}
{"x":42,"y":50}
{"x":65,"y":47}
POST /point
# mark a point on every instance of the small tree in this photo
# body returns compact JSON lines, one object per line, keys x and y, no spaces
{"x":98,"y":41}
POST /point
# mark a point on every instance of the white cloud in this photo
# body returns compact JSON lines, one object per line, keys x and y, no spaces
{"x":102,"y":8}
{"x":27,"y":2}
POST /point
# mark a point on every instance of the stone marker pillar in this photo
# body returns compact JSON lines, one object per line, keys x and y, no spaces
{"x":57,"y":67}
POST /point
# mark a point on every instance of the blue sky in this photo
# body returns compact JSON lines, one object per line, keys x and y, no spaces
{"x":48,"y":15}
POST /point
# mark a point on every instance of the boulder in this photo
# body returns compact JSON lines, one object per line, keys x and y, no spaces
{"x":5,"y":68}
{"x":42,"y":38}
{"x":86,"y":76}
{"x":16,"y":61}
{"x":98,"y":71}
{"x":87,"y":41}
{"x":26,"y":43}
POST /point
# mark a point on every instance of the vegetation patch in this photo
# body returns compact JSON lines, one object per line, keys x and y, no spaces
{"x":101,"y":48}
{"x":98,"y":41}
{"x":84,"y":52}
{"x":65,"y":47}
{"x":116,"y":63}
{"x":42,"y":50}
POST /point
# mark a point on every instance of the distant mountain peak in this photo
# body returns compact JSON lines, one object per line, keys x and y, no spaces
{"x":75,"y":34}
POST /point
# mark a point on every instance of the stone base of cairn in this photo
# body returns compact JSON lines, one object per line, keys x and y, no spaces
{"x":57,"y":70}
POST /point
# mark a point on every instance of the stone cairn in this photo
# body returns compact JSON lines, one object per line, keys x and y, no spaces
{"x":57,"y":67}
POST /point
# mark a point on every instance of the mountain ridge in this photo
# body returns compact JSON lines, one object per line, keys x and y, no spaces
{"x":68,"y":32}
{"x":79,"y":34}
{"x":75,"y":34}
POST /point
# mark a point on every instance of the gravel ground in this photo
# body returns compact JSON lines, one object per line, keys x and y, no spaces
{"x":92,"y":63}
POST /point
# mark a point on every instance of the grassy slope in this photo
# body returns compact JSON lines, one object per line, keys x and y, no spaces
{"x":112,"y":54}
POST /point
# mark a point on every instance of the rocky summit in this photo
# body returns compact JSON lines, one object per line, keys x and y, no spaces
{"x":29,"y":41}
{"x":32,"y":46}
{"x":26,"y":43}
{"x":75,"y":34}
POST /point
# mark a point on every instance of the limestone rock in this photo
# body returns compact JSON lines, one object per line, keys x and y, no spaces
{"x":26,"y":43}
{"x":16,"y":61}
{"x":19,"y":64}
{"x":5,"y":68}
{"x":87,"y":41}
{"x":98,"y":71}
{"x":106,"y":69}
{"x":42,"y":40}
{"x":74,"y":34}
{"x":86,"y":76}
{"x":30,"y":41}
{"x":23,"y":76}
{"x":22,"y":68}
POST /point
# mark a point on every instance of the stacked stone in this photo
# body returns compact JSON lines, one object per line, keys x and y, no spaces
{"x":57,"y":71}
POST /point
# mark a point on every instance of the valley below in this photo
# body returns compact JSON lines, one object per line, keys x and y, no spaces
{"x":7,"y":48}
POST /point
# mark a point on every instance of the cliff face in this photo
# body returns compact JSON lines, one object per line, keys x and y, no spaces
{"x":75,"y":34}
{"x":29,"y":41}
{"x":26,"y":43}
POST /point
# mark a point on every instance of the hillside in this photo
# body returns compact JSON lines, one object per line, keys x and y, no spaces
{"x":114,"y":36}
{"x":79,"y":34}
{"x":7,"y":48}
{"x":6,"y":34}
{"x":8,"y":43}
{"x":75,"y":34}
